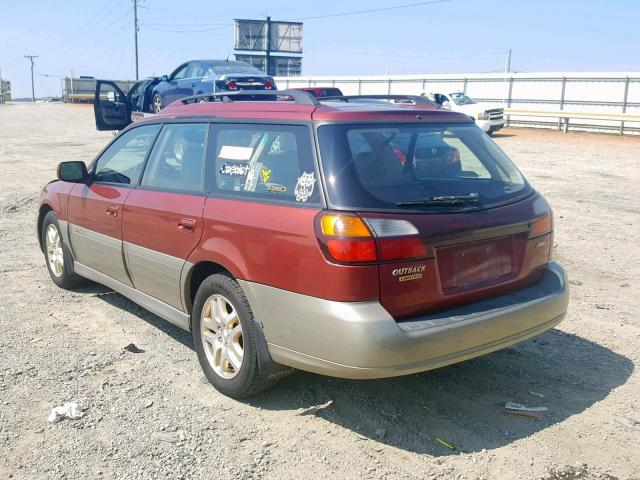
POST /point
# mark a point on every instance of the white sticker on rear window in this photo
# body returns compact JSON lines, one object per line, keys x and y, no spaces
{"x":231,"y":152}
{"x":234,"y":170}
{"x":304,"y":187}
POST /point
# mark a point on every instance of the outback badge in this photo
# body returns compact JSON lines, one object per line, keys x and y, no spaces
{"x":409,"y":273}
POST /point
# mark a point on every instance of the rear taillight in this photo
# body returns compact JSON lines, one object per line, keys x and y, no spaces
{"x":541,"y":226}
{"x":232,"y":85}
{"x":348,"y":238}
{"x":345,"y":238}
{"x":401,"y":248}
{"x":268,"y":85}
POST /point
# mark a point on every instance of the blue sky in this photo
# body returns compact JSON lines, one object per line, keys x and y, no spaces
{"x":95,"y":37}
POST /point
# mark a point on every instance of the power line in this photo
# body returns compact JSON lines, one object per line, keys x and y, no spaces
{"x":221,"y":27}
{"x":416,"y":57}
{"x":187,"y":24}
{"x":92,"y":20}
{"x":374,"y":10}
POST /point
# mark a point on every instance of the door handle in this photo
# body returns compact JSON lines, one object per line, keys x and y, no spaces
{"x":112,"y":210}
{"x":187,"y":224}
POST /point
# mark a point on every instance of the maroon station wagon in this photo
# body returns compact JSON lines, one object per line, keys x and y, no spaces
{"x":349,"y":238}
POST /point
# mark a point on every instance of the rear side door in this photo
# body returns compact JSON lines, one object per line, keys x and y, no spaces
{"x":95,"y":210}
{"x":112,"y":108}
{"x":162,"y":219}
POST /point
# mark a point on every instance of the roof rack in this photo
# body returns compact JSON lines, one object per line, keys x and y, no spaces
{"x":298,"y":96}
{"x":416,"y":99}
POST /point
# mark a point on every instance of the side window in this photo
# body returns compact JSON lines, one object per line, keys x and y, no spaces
{"x":181,"y":73}
{"x":177,"y":159}
{"x":265,"y":161}
{"x":195,"y":70}
{"x":122,"y":162}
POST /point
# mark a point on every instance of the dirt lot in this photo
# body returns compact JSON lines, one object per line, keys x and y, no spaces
{"x":150,"y":415}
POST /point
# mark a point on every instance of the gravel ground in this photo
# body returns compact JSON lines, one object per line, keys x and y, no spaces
{"x":150,"y":415}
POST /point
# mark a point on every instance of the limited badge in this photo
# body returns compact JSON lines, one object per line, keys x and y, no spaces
{"x":266,"y":175}
{"x":304,"y":187}
{"x":409,"y":273}
{"x":234,"y":170}
{"x":275,"y":188}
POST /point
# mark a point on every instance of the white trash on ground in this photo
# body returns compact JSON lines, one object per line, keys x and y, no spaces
{"x":69,"y":410}
{"x":523,"y":408}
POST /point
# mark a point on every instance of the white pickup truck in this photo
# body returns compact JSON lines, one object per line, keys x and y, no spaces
{"x":489,"y":118}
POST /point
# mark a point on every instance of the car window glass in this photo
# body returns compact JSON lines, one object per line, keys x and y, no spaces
{"x":135,"y":93}
{"x":177,"y":159}
{"x":470,"y":164}
{"x":195,"y":70}
{"x":269,"y":161}
{"x":380,"y":166}
{"x":182,"y":73}
{"x":122,"y":161}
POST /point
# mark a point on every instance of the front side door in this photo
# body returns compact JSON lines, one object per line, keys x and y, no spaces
{"x":162,"y":219}
{"x":112,"y":108}
{"x":172,"y":92}
{"x":95,"y":210}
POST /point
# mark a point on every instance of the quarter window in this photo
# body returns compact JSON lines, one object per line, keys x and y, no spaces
{"x":122,"y":162}
{"x":177,"y":158}
{"x":272,"y":162}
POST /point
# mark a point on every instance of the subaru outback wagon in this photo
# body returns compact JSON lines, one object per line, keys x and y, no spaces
{"x":352,"y":239}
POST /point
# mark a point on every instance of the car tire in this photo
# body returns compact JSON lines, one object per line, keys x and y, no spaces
{"x":57,"y":255}
{"x":220,"y":311}
{"x":156,"y":103}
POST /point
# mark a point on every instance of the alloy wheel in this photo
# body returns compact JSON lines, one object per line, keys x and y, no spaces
{"x":222,"y":339}
{"x":157,"y":103}
{"x":55,"y":254}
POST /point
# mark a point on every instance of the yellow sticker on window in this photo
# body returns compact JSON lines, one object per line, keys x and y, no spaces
{"x":266,"y":175}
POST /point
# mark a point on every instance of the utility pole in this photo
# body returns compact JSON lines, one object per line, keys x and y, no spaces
{"x":135,"y":28}
{"x":508,"y":64}
{"x":268,"y":46}
{"x":33,"y":90}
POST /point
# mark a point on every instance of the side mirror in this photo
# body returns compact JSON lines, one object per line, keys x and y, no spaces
{"x":446,"y":104}
{"x":74,"y":172}
{"x":164,"y":78}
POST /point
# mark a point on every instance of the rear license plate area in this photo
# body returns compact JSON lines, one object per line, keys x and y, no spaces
{"x":465,"y":266}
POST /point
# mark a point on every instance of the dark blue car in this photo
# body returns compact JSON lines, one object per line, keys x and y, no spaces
{"x":207,"y":76}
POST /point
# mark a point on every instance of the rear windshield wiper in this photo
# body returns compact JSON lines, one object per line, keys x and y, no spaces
{"x":444,"y":200}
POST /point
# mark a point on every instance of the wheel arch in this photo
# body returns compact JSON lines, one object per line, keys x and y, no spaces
{"x":42,"y":212}
{"x":195,"y":275}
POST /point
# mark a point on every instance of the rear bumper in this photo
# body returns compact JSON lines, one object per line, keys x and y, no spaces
{"x":361,"y":339}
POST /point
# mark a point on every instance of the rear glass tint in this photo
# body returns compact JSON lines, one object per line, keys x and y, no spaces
{"x":379,"y":166}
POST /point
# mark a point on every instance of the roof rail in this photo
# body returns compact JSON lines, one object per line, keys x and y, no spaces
{"x":298,"y":96}
{"x":416,"y":99}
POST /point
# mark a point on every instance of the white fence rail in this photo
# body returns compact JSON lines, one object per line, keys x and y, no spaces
{"x":586,"y":94}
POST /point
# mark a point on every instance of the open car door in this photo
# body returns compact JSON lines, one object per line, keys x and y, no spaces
{"x":111,"y":106}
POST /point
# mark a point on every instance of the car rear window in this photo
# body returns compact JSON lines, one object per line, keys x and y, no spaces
{"x":378,"y":167}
